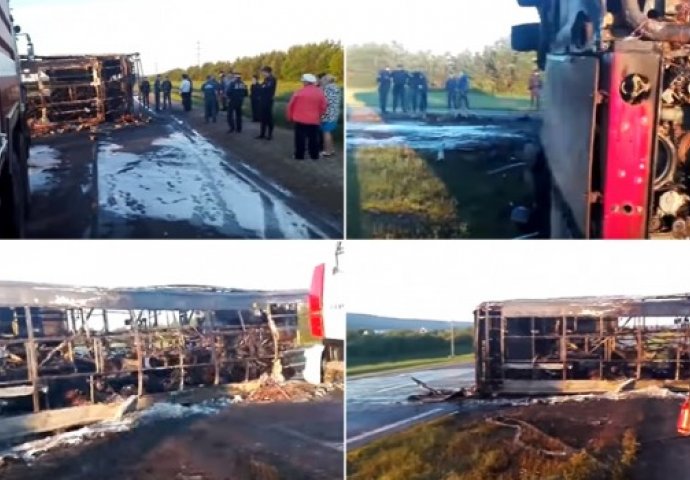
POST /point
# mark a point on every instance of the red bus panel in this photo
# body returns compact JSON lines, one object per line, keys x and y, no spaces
{"x":316,"y":301}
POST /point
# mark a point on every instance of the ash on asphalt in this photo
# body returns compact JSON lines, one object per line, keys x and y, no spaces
{"x":163,"y":180}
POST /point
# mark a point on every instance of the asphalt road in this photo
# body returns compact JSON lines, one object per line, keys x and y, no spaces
{"x":377,"y":406}
{"x":161,"y":180}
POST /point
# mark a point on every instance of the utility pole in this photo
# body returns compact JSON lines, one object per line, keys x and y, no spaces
{"x":452,"y":340}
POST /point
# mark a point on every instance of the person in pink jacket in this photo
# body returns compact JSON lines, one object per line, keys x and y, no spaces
{"x":305,"y":110}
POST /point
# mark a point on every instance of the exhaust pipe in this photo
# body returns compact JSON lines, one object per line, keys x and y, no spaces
{"x":654,"y":29}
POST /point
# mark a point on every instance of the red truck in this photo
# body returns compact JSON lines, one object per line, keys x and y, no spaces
{"x":615,"y":140}
{"x":14,"y":133}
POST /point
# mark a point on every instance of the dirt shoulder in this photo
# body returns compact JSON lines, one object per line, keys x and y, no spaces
{"x":634,"y":438}
{"x":318,"y":182}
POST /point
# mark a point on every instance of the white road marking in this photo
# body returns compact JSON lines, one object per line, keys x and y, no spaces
{"x":391,"y":426}
{"x":294,"y":433}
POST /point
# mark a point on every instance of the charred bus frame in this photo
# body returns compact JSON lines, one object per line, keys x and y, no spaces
{"x":63,"y":347}
{"x":582,"y":345}
{"x":75,"y":92}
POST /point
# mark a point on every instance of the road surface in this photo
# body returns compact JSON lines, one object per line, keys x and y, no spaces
{"x":377,"y":405}
{"x":301,"y":441}
{"x":161,"y":180}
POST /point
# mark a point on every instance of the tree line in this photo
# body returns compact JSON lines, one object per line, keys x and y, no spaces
{"x":404,"y":345}
{"x":323,"y":57}
{"x":497,"y":69}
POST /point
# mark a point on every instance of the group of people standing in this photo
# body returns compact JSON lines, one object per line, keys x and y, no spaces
{"x":161,"y":88}
{"x":410,"y":90}
{"x":315,"y":111}
{"x":457,"y":91}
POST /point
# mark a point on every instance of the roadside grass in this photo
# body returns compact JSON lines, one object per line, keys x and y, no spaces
{"x":449,"y":449}
{"x":408,"y":364}
{"x":437,"y":100}
{"x":397,"y":192}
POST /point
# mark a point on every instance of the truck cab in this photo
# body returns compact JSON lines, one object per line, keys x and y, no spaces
{"x":615,"y":137}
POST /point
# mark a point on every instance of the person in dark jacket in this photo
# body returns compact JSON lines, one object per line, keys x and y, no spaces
{"x":210,"y":89}
{"x":423,"y":92}
{"x":145,"y":91}
{"x":255,"y":96}
{"x":384,"y":80}
{"x":166,"y":86}
{"x":235,"y":93}
{"x":400,"y":79}
{"x":157,"y":92}
{"x":463,"y":91}
{"x":413,"y":90}
{"x":266,"y":99}
{"x":452,"y":92}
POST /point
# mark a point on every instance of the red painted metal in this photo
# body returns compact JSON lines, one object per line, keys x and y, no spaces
{"x":683,"y":425}
{"x":628,"y":160}
{"x":316,"y":301}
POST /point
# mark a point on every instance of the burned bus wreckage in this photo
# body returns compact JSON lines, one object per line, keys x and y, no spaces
{"x":86,"y":350}
{"x":582,"y":345}
{"x":76,"y":92}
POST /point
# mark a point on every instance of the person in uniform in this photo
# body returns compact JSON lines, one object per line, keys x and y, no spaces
{"x":463,"y":91}
{"x":452,"y":92}
{"x":267,"y":95}
{"x":236,"y":93}
{"x":210,"y":90}
{"x":157,"y":92}
{"x":400,"y":78}
{"x":423,"y":92}
{"x":384,"y":81}
{"x":413,"y":90}
{"x":145,"y":90}
{"x":255,"y":97}
{"x":166,"y":86}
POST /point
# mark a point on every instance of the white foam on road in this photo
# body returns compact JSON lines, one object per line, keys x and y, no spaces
{"x":188,"y":179}
{"x":395,"y":425}
{"x":43,"y":161}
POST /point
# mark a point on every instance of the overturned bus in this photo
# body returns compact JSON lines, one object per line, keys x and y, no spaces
{"x":75,"y":92}
{"x":582,"y":345}
{"x":72,"y":355}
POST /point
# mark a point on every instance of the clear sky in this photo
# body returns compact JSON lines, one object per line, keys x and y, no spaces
{"x":166,"y":32}
{"x":447,"y":280}
{"x":261,"y":265}
{"x":442,"y":26}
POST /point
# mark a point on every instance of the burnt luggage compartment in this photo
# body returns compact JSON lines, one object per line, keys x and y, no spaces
{"x":63,"y":348}
{"x":582,"y":345}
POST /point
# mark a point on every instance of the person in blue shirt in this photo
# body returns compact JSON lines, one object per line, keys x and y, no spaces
{"x":210,"y":89}
{"x":236,"y":92}
{"x":452,"y":92}
{"x":384,"y":80}
{"x":463,"y":91}
{"x":400,"y":78}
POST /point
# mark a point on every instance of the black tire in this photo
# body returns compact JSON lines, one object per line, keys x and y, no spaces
{"x":526,"y":37}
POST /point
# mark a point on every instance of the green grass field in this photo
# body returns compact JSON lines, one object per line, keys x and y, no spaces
{"x":409,"y":364}
{"x":438,"y":100}
{"x":395,"y":192}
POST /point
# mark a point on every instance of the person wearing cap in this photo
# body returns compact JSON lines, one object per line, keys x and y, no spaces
{"x":329,"y":120}
{"x":266,"y":98}
{"x":236,"y":93}
{"x":306,"y":108}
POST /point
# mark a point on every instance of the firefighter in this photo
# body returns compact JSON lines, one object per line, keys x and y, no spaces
{"x":186,"y":92}
{"x":145,"y":90}
{"x":157,"y":92}
{"x":210,"y":89}
{"x":266,"y":98}
{"x":384,"y":81}
{"x":400,"y":78}
{"x":451,"y":91}
{"x":166,"y":86}
{"x":255,"y":96}
{"x":236,"y":93}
